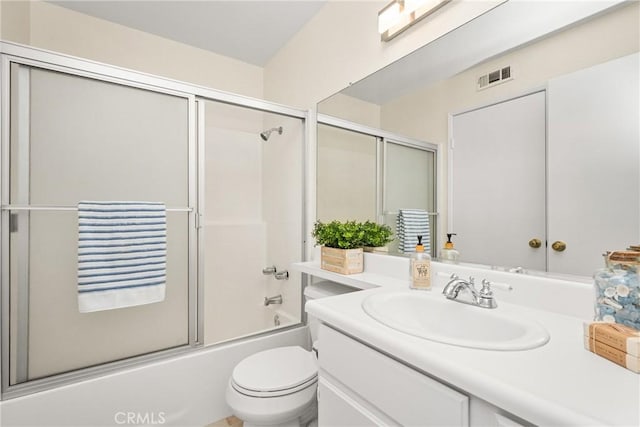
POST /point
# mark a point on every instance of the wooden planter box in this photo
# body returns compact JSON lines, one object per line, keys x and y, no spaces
{"x":377,"y":249}
{"x":343,"y":261}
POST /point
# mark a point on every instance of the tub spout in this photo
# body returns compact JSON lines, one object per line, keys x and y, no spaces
{"x":273,"y":300}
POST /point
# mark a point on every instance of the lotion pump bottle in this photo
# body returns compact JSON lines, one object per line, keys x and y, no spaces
{"x":449,"y":253}
{"x":420,"y":268}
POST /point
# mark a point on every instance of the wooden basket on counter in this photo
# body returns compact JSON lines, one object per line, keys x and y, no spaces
{"x":343,"y":261}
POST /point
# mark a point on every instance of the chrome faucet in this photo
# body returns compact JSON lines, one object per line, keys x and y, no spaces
{"x":482,"y":298}
{"x":282,"y":275}
{"x":279,"y":275}
{"x":273,"y":300}
{"x":269,"y":270}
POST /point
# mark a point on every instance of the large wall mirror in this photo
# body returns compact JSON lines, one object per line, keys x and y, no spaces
{"x":534,"y":110}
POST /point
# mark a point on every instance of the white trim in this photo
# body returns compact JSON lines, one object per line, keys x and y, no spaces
{"x":518,"y":94}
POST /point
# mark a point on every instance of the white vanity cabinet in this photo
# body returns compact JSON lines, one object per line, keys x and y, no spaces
{"x":360,"y":386}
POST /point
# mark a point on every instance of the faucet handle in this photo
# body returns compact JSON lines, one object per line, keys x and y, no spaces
{"x":282,"y":275}
{"x":269,"y":270}
{"x":496,"y":285}
{"x":485,"y":291}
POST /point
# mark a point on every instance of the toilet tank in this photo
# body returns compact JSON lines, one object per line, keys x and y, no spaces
{"x":319,"y":290}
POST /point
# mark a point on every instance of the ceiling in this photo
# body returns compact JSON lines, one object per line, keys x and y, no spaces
{"x":248,"y":30}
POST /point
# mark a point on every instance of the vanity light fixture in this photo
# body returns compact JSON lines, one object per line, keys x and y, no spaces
{"x":399,"y":15}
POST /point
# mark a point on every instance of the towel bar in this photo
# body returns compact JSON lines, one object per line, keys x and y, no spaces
{"x":67,"y":208}
{"x":396,"y":213}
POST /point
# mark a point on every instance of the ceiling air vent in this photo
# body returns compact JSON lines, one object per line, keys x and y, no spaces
{"x":494,"y":78}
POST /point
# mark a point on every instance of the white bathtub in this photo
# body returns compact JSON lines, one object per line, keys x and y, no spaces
{"x":182,"y":391}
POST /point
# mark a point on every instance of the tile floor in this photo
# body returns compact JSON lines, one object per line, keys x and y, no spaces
{"x":227,"y":422}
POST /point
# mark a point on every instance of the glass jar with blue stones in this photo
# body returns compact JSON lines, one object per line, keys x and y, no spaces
{"x":618,"y":289}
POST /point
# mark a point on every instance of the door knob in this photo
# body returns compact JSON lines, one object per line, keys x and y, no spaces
{"x":559,"y":246}
{"x":535,"y":243}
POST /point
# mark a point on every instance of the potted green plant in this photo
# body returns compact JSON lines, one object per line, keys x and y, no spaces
{"x":376,"y":237}
{"x":342,"y":244}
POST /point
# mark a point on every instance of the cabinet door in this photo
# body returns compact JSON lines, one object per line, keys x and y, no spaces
{"x":497,"y":185}
{"x":401,"y":393}
{"x":594,"y":173}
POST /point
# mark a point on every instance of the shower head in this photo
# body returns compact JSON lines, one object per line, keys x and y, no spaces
{"x":267,"y":133}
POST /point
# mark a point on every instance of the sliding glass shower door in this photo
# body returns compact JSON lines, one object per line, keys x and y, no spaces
{"x":229,"y":171}
{"x":252,"y":220}
{"x":76,"y":138}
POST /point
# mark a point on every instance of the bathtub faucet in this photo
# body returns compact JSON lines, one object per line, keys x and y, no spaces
{"x":282,"y":275}
{"x":273,"y":300}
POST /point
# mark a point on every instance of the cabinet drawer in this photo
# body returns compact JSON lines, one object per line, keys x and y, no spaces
{"x":407,"y":396}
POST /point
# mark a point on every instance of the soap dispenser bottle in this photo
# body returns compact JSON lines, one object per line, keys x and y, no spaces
{"x":420,"y":268}
{"x":449,"y":253}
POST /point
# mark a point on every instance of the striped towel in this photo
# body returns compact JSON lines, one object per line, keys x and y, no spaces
{"x":410,"y":224}
{"x":122,"y":254}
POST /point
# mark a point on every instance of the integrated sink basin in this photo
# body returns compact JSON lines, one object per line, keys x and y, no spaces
{"x":435,"y":318}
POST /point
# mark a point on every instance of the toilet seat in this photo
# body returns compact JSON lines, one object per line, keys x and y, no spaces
{"x":276,"y":372}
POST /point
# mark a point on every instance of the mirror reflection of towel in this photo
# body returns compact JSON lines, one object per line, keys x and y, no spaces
{"x":122,"y":254}
{"x":410,"y":224}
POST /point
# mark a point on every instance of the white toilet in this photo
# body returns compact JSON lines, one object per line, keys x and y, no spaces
{"x":277,"y":387}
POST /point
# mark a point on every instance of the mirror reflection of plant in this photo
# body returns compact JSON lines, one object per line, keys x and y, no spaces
{"x":376,"y":235}
{"x":351,"y":234}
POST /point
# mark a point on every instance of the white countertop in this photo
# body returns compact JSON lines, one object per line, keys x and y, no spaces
{"x":559,"y":383}
{"x":363,"y":280}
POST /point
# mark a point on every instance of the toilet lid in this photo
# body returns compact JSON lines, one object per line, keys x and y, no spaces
{"x":277,"y":369}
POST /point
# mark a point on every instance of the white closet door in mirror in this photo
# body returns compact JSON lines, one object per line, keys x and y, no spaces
{"x":497,"y":186}
{"x":594,"y":159}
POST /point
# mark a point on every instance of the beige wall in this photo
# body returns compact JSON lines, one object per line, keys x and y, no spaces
{"x":351,"y":109}
{"x":55,"y":28}
{"x":14,"y":24}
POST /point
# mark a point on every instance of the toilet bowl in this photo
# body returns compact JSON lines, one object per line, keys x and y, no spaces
{"x":277,"y":387}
